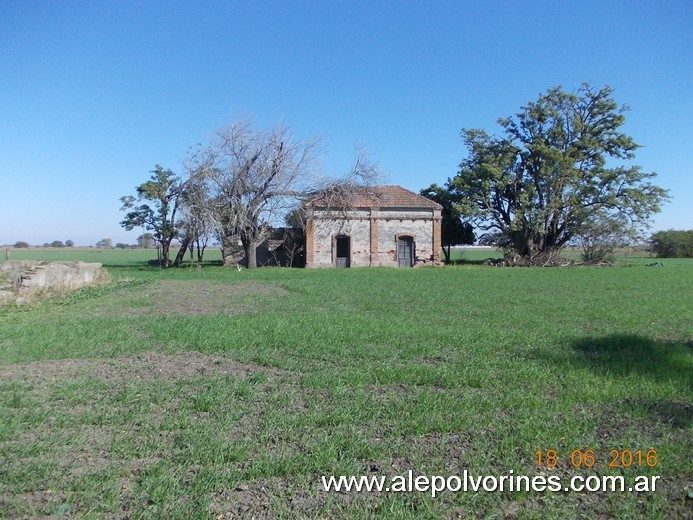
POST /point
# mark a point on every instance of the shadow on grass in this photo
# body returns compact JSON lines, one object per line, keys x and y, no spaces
{"x":677,"y":413}
{"x":468,"y":261}
{"x":629,"y":354}
{"x":624,"y":354}
{"x":144,"y":266}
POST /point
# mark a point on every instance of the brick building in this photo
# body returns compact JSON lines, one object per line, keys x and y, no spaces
{"x":383,"y":226}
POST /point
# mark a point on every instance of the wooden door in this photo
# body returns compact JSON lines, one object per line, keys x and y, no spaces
{"x":405,"y":251}
{"x":343,"y":253}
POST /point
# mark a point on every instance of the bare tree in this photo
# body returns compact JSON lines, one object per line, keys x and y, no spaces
{"x":604,"y":232}
{"x":339,"y":194}
{"x":246,"y":181}
{"x":252,"y":178}
{"x":197,"y":219}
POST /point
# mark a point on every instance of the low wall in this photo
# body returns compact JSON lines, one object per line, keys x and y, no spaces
{"x":32,"y":274}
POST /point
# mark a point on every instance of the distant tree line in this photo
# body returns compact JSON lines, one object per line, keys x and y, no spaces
{"x":56,"y":243}
{"x":107,"y":243}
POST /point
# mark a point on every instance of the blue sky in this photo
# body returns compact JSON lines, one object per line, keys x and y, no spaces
{"x":93,"y":94}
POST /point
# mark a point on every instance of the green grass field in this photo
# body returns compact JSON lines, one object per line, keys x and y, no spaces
{"x":213,"y":393}
{"x":108,"y":257}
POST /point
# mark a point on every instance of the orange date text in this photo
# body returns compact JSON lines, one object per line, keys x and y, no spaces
{"x":589,"y":458}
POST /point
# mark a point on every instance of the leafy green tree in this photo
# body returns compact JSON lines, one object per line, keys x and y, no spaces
{"x":69,"y":243}
{"x":57,"y":243}
{"x":21,"y":244}
{"x":672,"y":244}
{"x":534,"y":186}
{"x":157,"y":213}
{"x":105,"y":243}
{"x":454,"y":231}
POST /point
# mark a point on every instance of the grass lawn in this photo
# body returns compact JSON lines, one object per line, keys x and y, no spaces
{"x":213,"y":393}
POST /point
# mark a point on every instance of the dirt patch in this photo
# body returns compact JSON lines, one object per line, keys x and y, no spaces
{"x":279,"y":497}
{"x":35,"y":500}
{"x":145,"y":366}
{"x":188,"y":298}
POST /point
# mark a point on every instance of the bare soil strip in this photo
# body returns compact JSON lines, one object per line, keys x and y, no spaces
{"x":145,"y":366}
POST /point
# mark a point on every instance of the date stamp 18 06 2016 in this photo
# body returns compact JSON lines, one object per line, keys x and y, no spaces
{"x":588,"y":458}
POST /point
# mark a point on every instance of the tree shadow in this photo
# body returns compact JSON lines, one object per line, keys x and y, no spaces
{"x":621,"y":355}
{"x":145,"y":266}
{"x":625,"y":354}
{"x":467,"y":261}
{"x":677,"y":413}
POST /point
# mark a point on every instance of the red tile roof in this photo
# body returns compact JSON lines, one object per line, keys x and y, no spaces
{"x":386,"y":197}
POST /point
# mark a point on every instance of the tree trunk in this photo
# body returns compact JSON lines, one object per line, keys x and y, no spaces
{"x":200,"y":251}
{"x":232,"y":254}
{"x":164,"y":253}
{"x":446,"y":254}
{"x":181,"y":252}
{"x":250,"y":255}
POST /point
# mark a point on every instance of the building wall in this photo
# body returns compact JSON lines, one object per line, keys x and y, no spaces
{"x":373,"y":235}
{"x":326,"y":229}
{"x":390,"y":229}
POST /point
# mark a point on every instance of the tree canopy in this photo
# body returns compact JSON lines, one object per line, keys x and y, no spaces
{"x":559,"y":161}
{"x":162,"y":191}
{"x":454,"y":231}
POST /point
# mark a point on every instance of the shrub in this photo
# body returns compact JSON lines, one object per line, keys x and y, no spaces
{"x":672,"y":244}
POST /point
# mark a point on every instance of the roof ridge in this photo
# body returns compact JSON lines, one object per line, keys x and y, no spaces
{"x":391,"y":196}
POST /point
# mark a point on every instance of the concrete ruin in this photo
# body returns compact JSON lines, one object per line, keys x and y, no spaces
{"x":33,"y":274}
